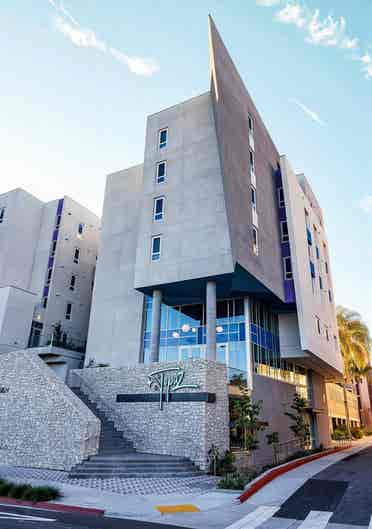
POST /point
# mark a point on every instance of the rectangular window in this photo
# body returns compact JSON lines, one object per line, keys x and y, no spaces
{"x":163,"y":138}
{"x":320,"y":283}
{"x":250,"y":123}
{"x":58,"y":221}
{"x":53,"y":249}
{"x":327,"y":334}
{"x":326,"y":267}
{"x":287,"y":268}
{"x":318,"y":324}
{"x":161,"y":172}
{"x":155,"y":248}
{"x":68,"y":311}
{"x":281,"y":197}
{"x":251,"y":160}
{"x":2,"y":215}
{"x":49,"y":276}
{"x":80,"y":228}
{"x":330,"y":296}
{"x":72,"y":283}
{"x":158,"y":212}
{"x":317,"y":252}
{"x":255,"y":240}
{"x":76,"y":255}
{"x":284,"y":231}
{"x":253,"y":197}
{"x":45,"y":303}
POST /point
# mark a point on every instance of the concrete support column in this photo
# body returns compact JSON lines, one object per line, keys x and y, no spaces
{"x":211,"y":320}
{"x":248,"y":343}
{"x":155,"y":325}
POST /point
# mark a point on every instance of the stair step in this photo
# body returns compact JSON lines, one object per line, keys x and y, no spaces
{"x":108,"y":475}
{"x":125,"y":466}
{"x":138,"y":457}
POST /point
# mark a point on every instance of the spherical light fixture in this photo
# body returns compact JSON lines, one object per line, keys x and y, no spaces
{"x":219,"y":328}
{"x":185,"y":327}
{"x":175,"y":334}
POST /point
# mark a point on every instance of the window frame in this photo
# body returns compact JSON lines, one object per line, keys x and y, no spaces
{"x":158,"y":217}
{"x":2,"y":214}
{"x":76,"y":259}
{"x":250,"y":123}
{"x":255,"y":245}
{"x":81,"y":226}
{"x":68,"y":311}
{"x":287,"y":275}
{"x":162,"y":145}
{"x":158,"y":254}
{"x":254,"y":197}
{"x":283,"y":237}
{"x":49,"y":276}
{"x":281,"y":200}
{"x":53,"y":249}
{"x":252,"y":160}
{"x":164,"y":177}
{"x":72,"y":285}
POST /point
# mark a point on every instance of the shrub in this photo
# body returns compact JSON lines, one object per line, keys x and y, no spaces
{"x":18,"y":491}
{"x":27,"y":492}
{"x":339,"y":434}
{"x":236,"y":481}
{"x":368,"y":432}
{"x":220,"y":466}
{"x":357,"y":433}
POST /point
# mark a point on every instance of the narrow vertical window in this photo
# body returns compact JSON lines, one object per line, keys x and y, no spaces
{"x":287,"y":263}
{"x":2,"y":215}
{"x":45,"y":303}
{"x":253,"y":197}
{"x":68,"y":311}
{"x":76,"y":255}
{"x":158,"y":211}
{"x":284,"y":231}
{"x":58,"y":221}
{"x":318,"y":324}
{"x":155,"y":248}
{"x":320,"y":283}
{"x":251,"y":160}
{"x":255,"y":240}
{"x":72,"y":282}
{"x":330,"y":296}
{"x":53,"y":249}
{"x":250,"y":123}
{"x":281,"y":197}
{"x":49,"y":276}
{"x":163,"y":138}
{"x":161,"y":172}
{"x":326,"y":267}
{"x":80,"y":228}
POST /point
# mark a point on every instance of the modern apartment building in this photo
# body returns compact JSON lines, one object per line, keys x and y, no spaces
{"x":214,"y":248}
{"x":48,"y":255}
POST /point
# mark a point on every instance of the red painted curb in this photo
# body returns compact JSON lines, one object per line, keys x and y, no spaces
{"x":52,"y":506}
{"x":283,"y":469}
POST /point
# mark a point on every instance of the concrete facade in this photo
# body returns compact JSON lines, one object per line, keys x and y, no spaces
{"x":16,"y":311}
{"x":181,"y":428}
{"x":42,"y":423}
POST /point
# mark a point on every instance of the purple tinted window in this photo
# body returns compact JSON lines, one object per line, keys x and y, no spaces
{"x":60,"y":206}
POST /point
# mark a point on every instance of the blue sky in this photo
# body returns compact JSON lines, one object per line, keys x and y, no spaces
{"x":78,"y":80}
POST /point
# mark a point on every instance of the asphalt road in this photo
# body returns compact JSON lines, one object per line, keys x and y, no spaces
{"x":19,"y":517}
{"x":344,"y":490}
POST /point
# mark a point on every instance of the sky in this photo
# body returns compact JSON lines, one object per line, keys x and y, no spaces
{"x":79,"y":78}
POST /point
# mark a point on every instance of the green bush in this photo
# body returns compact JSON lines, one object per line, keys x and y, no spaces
{"x":26,"y":492}
{"x":357,"y":433}
{"x":221,"y":465}
{"x":368,"y":432}
{"x":339,"y":434}
{"x":236,"y":481}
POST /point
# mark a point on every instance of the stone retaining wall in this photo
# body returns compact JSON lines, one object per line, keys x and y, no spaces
{"x":181,"y":428}
{"x":42,"y":423}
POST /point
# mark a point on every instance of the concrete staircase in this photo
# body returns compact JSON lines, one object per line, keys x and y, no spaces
{"x":117,"y":457}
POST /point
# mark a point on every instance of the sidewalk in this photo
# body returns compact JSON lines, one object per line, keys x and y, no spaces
{"x":218,"y":509}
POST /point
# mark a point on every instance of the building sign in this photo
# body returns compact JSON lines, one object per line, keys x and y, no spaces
{"x":168,"y":380}
{"x":166,"y":383}
{"x":4,"y":389}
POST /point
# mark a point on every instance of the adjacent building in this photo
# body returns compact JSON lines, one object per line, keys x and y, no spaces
{"x":214,"y":248}
{"x":48,"y":254}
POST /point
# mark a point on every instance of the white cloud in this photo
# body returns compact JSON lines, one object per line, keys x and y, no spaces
{"x":366,"y":204}
{"x":83,"y":38}
{"x":138,"y":65}
{"x":86,"y":38}
{"x":329,"y":31}
{"x":292,"y":14}
{"x":313,"y":115}
{"x":267,"y":3}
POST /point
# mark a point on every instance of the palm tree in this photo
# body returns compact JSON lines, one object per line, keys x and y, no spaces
{"x":355,"y":344}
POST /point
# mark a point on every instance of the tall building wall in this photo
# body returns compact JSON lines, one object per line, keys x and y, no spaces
{"x":115,"y":328}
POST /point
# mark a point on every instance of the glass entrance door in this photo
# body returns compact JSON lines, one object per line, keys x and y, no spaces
{"x":185,"y":352}
{"x":222,"y":350}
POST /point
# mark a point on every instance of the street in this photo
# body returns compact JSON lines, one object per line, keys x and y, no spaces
{"x":28,"y":518}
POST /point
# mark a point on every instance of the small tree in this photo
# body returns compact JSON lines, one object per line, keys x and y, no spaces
{"x":57,"y":333}
{"x":273,"y":440}
{"x":246,"y":415}
{"x":300,"y":427}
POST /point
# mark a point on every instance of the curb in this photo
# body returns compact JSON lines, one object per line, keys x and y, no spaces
{"x":283,"y":469}
{"x":51,"y":506}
